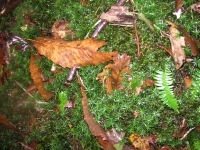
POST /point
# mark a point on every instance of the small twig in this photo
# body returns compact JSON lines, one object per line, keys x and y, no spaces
{"x":136,"y":31}
{"x":24,"y":89}
{"x":102,"y":24}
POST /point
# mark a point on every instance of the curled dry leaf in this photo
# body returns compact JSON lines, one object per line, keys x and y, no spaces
{"x":60,"y":29}
{"x":188,"y":81}
{"x":140,"y":142}
{"x":178,"y":8}
{"x":177,"y":42}
{"x":112,"y":74}
{"x":36,"y":76}
{"x":196,"y":7}
{"x":5,"y":122}
{"x":114,"y":136}
{"x":75,"y":53}
{"x":94,"y":127}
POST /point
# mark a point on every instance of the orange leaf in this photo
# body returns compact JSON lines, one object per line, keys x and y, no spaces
{"x":3,"y":120}
{"x":35,"y":75}
{"x":188,"y":81}
{"x":75,"y":53}
{"x":94,"y":127}
{"x":112,"y":73}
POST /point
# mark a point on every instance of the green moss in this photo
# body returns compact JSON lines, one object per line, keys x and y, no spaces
{"x":58,"y":130}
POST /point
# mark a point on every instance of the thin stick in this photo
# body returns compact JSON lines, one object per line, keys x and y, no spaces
{"x":136,"y":31}
{"x":24,"y":89}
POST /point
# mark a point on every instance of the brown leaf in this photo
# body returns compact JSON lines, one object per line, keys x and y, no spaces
{"x":149,"y":82}
{"x":32,"y":120}
{"x":188,"y":81}
{"x":94,"y":127}
{"x":26,"y":146}
{"x":136,"y":114}
{"x":177,"y":42}
{"x":35,"y":75}
{"x":60,"y":29}
{"x":3,"y":120}
{"x":196,"y":7}
{"x":114,"y":136}
{"x":112,"y":73}
{"x":189,"y":41}
{"x":179,"y":4}
{"x":76,"y":53}
{"x":83,"y":2}
{"x":140,"y":142}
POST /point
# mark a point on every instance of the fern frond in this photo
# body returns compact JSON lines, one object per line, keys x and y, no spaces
{"x":164,"y":83}
{"x":195,"y":88}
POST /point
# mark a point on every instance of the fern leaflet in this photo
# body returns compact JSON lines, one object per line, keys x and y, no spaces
{"x":164,"y":85}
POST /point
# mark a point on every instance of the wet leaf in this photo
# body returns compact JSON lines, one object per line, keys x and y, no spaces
{"x":112,"y":74}
{"x":36,"y":76}
{"x":75,"y":53}
{"x":60,"y":29}
{"x":5,"y":122}
{"x":94,"y":127}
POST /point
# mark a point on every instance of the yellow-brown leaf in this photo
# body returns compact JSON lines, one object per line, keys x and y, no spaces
{"x":75,"y":53}
{"x":35,"y":75}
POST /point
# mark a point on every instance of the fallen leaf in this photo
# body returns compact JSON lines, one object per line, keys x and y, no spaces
{"x":140,"y":142}
{"x":36,"y":76}
{"x":75,"y":53}
{"x":188,"y":81}
{"x":189,"y":41}
{"x":32,"y":121}
{"x":196,"y":7}
{"x":26,"y":146}
{"x":182,"y":130}
{"x":177,"y":42}
{"x":94,"y":127}
{"x":9,"y":6}
{"x":136,"y":114}
{"x":83,"y":2}
{"x":178,"y":8}
{"x":60,"y":29}
{"x":114,"y":136}
{"x":149,"y":82}
{"x":112,"y":74}
{"x":5,"y":122}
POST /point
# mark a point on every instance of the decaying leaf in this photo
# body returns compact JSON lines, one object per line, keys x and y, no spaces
{"x":94,"y":127}
{"x":189,"y":41}
{"x":33,"y":120}
{"x":75,"y":53}
{"x":36,"y":76}
{"x":177,"y":43}
{"x":5,"y":122}
{"x":60,"y":29}
{"x":26,"y":146}
{"x":112,"y":74}
{"x":196,"y":7}
{"x":142,"y":143}
{"x":84,"y":3}
{"x":114,"y":136}
{"x":178,"y":8}
{"x":188,"y":81}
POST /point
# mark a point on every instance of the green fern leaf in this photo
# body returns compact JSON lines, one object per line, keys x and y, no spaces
{"x":164,"y":83}
{"x":195,"y":88}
